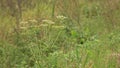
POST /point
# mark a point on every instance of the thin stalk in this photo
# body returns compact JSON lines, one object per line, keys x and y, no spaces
{"x":18,"y":18}
{"x":53,"y":8}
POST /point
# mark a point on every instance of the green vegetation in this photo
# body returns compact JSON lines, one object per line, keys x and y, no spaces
{"x":60,"y":34}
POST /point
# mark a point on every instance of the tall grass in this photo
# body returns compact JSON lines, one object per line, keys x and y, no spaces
{"x":59,"y":34}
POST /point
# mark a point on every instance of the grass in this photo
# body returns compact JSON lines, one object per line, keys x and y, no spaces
{"x":60,"y":34}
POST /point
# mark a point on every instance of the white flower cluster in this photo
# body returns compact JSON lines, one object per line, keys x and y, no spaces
{"x":43,"y":25}
{"x":28,"y":23}
{"x":48,"y":21}
{"x":61,"y":27}
{"x":33,"y":20}
{"x":61,"y":17}
{"x":23,"y":22}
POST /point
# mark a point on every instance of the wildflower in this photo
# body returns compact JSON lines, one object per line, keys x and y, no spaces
{"x":33,"y":20}
{"x":48,"y":21}
{"x":58,"y":27}
{"x":23,"y":28}
{"x":44,"y":25}
{"x":61,"y":17}
{"x":23,"y":22}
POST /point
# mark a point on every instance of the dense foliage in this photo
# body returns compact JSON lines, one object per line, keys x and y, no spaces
{"x":59,"y":34}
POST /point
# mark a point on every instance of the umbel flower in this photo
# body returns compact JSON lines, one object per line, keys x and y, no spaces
{"x":33,"y":20}
{"x":48,"y":22}
{"x":59,"y":27}
{"x":61,"y":17}
{"x":44,"y":25}
{"x":23,"y":22}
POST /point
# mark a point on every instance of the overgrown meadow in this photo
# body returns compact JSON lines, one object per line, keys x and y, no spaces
{"x":59,"y":33}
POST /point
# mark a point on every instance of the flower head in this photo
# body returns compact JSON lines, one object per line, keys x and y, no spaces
{"x":61,"y":17}
{"x":33,"y":20}
{"x":48,"y":21}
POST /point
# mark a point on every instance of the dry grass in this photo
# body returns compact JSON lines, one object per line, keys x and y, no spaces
{"x":116,"y":57}
{"x":110,"y":7}
{"x":42,"y":41}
